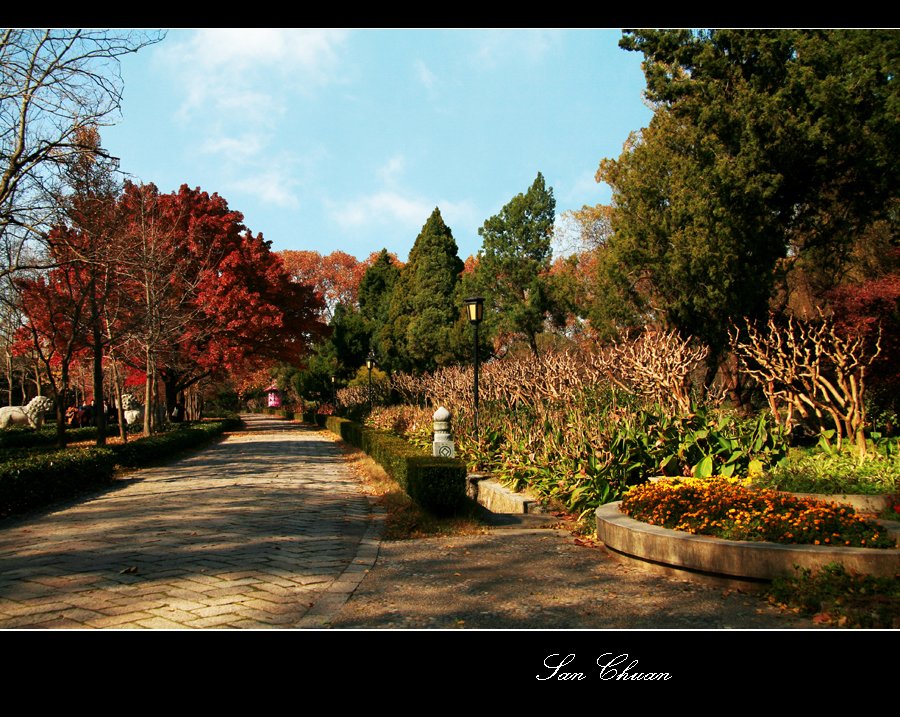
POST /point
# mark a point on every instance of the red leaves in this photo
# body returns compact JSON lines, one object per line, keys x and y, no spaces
{"x":189,"y":281}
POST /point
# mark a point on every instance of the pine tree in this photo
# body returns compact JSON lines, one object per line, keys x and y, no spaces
{"x":423,"y":309}
{"x":769,"y":149}
{"x":375,"y":290}
{"x":513,"y":263}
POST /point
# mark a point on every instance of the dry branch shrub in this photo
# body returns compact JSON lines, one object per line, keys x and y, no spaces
{"x":657,"y":366}
{"x":811,"y":369}
{"x":413,"y":422}
{"x":576,"y":425}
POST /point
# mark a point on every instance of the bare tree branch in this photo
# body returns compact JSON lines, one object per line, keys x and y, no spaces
{"x":53,"y":83}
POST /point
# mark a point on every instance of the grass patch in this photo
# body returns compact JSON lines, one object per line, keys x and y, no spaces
{"x":843,"y":472}
{"x":405,"y":519}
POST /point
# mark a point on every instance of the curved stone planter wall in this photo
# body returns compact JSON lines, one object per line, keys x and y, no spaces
{"x":737,"y":559}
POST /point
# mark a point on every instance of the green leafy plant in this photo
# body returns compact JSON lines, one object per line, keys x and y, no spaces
{"x":838,"y":597}
{"x":833,"y":471}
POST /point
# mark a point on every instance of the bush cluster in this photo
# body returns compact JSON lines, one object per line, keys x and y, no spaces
{"x":436,"y":484}
{"x":20,"y":437}
{"x":725,"y":508}
{"x":40,"y":479}
{"x":839,"y":597}
{"x":876,"y":473}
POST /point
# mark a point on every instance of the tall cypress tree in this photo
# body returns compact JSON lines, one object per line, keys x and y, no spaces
{"x":375,"y":289}
{"x":423,"y":310}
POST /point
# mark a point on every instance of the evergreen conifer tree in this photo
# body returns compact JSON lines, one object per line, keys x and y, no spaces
{"x":423,"y":309}
{"x":513,"y":262}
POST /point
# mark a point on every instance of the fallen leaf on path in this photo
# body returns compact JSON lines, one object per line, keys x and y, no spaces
{"x":132,"y":569}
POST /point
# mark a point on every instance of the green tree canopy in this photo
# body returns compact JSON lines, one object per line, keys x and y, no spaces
{"x":514,"y":258}
{"x":764,"y":145}
{"x":423,"y":309}
{"x":375,"y":290}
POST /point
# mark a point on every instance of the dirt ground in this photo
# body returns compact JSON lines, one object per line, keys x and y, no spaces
{"x":527,"y":577}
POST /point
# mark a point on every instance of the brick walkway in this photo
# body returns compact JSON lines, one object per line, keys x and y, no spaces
{"x":267,"y":529}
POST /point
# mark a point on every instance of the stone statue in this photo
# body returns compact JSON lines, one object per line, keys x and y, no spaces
{"x":132,"y":409}
{"x":30,"y":415}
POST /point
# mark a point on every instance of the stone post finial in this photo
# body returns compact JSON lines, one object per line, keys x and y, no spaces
{"x":443,"y":440}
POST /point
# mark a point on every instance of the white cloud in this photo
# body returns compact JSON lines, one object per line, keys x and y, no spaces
{"x":394,"y":209}
{"x":425,"y":75}
{"x":382,"y":207}
{"x":272,"y":186}
{"x":499,"y":46}
{"x":227,"y":67}
{"x":236,"y":86}
{"x":584,"y":189}
{"x":246,"y":146}
{"x":391,"y":170}
{"x":463,"y":217}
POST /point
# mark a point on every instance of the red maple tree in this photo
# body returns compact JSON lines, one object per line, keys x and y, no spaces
{"x":215,"y":297}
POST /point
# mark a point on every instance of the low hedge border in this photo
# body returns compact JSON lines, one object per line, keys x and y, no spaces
{"x":436,"y":484}
{"x":314,"y":418}
{"x":16,"y":438}
{"x":144,"y":451}
{"x":39,"y":479}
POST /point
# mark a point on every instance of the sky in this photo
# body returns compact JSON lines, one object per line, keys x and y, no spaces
{"x":331,"y":139}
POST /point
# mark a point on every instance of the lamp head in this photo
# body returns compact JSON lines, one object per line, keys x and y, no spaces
{"x":475,"y":309}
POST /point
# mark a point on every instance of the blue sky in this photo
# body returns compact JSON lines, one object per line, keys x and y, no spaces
{"x":347,"y":139}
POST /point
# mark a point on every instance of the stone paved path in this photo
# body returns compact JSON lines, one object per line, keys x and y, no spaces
{"x":267,"y":529}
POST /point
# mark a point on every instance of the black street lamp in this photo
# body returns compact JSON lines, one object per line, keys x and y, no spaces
{"x":370,"y":363}
{"x":333,"y":401}
{"x":475,"y":311}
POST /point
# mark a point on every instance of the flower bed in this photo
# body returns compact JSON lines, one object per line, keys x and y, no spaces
{"x":748,"y":563}
{"x":725,"y":508}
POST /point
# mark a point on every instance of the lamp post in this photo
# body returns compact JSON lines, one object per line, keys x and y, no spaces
{"x":370,"y":362}
{"x":475,"y":311}
{"x":333,"y":401}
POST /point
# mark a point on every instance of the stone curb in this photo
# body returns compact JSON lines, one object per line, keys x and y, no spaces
{"x":497,"y":498}
{"x":731,"y":558}
{"x":329,"y":604}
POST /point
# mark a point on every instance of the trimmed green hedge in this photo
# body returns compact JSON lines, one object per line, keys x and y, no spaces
{"x":437,"y":484}
{"x":144,"y":451}
{"x":316,"y":419}
{"x":36,"y":479}
{"x":18,"y":437}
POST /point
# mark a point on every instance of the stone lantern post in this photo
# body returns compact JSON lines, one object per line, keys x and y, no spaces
{"x":443,"y":440}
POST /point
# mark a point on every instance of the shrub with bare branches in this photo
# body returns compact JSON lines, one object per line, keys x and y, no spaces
{"x":657,"y":366}
{"x":811,"y":369}
{"x":356,"y":396}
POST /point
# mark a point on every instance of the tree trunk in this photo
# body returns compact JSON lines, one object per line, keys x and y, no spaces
{"x":60,"y":406}
{"x":149,"y":393}
{"x":99,"y":402}
{"x":120,"y":409}
{"x":9,"y":378}
{"x":170,"y":382}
